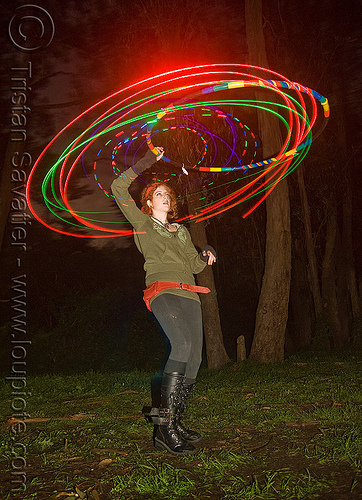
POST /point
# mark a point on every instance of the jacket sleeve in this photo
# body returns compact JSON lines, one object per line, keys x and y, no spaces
{"x":196,"y":264}
{"x":119,"y":188}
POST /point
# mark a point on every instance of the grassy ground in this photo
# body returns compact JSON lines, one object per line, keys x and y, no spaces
{"x":281,"y":431}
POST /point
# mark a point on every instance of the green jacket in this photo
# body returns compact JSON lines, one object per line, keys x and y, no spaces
{"x":168,"y":256}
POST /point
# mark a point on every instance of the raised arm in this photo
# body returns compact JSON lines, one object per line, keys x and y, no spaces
{"x":119,"y":188}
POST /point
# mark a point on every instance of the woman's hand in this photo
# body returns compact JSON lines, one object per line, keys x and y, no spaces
{"x":161,"y":152}
{"x":208,"y":255}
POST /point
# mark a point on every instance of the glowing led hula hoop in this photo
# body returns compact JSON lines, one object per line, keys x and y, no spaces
{"x":271,"y":84}
{"x":118,"y":129}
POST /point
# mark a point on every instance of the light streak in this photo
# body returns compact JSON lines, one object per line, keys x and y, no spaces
{"x":199,"y":98}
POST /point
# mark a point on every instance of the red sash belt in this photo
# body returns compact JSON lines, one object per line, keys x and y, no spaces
{"x":157,"y":286}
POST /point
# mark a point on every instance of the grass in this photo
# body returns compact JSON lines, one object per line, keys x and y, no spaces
{"x":290,"y":430}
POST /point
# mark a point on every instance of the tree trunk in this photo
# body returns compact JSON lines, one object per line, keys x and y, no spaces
{"x":309,"y":243}
{"x":329,"y":290}
{"x":344,"y":305}
{"x":215,"y":350}
{"x":348,"y":253}
{"x":272,"y":312}
{"x":301,"y":319}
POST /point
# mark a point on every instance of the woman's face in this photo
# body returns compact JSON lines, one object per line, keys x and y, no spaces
{"x":161,"y":200}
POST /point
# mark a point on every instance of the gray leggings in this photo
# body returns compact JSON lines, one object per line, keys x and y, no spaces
{"x":181,"y":320}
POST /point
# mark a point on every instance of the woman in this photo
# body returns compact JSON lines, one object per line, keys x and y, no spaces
{"x":171,"y":261}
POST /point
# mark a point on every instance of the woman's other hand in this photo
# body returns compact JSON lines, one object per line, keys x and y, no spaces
{"x":208,"y":255}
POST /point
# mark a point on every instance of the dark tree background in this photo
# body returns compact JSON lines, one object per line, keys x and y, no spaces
{"x":84,"y":308}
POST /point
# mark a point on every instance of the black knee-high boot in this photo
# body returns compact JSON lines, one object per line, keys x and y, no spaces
{"x":167,"y":435}
{"x":187,"y":434}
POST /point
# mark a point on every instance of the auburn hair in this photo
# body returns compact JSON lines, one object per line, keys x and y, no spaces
{"x":147,"y":194}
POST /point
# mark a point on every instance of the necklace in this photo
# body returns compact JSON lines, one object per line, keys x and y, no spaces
{"x":167,"y":225}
